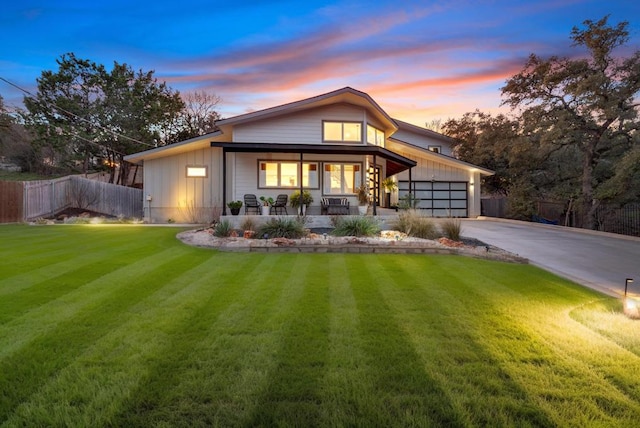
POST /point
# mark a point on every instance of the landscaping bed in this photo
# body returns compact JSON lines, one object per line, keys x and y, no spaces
{"x":388,"y":241}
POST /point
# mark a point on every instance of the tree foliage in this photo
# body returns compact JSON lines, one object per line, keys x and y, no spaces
{"x":574,"y":131}
{"x":84,"y":114}
{"x":14,"y":140}
{"x":199,"y":115}
{"x":582,"y":109}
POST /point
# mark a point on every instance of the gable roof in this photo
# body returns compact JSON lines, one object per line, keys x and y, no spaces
{"x":346,"y":95}
{"x":423,"y":131}
{"x":195,"y":143}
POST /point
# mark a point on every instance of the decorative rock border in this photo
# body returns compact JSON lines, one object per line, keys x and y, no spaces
{"x":331,"y":244}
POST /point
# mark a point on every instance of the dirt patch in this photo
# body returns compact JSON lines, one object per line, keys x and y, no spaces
{"x":77,"y":212}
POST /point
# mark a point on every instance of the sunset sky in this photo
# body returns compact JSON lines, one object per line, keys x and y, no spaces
{"x":420,"y":60}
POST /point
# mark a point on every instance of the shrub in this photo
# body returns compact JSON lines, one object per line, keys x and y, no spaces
{"x":408,"y":202}
{"x":294,"y":199}
{"x":357,"y":226}
{"x":452,"y":228}
{"x":235,"y":204}
{"x":248,"y":223}
{"x":414,"y":223}
{"x":282,"y":227}
{"x":223,"y":229}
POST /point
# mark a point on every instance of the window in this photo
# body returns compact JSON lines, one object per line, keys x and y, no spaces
{"x":435,"y":149}
{"x":342,"y":131}
{"x":341,"y":178}
{"x":375,"y":136}
{"x":278,"y":174}
{"x":196,"y":171}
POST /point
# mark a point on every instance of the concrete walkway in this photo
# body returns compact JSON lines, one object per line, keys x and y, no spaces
{"x":597,"y":260}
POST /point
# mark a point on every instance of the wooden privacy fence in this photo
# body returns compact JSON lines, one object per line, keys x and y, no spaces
{"x":10,"y":201}
{"x":43,"y":198}
{"x":47,"y":197}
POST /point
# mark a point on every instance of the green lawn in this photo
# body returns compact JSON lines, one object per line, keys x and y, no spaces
{"x":125,"y":326}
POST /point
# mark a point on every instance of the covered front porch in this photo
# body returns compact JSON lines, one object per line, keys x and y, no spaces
{"x":385,"y":216}
{"x":242,"y":173}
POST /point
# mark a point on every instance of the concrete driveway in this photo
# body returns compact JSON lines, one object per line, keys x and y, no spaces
{"x":597,"y":260}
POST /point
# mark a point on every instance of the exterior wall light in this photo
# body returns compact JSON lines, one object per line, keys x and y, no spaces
{"x":631,"y":304}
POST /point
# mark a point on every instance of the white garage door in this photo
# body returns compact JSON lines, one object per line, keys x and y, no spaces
{"x":438,"y":198}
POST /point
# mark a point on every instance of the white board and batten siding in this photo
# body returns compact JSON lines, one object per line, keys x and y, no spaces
{"x":242,"y":173}
{"x":173,"y":195}
{"x":299,"y":128}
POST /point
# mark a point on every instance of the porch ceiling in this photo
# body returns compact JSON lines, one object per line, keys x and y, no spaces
{"x":395,"y":163}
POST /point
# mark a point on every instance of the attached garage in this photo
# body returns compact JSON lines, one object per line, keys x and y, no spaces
{"x":438,"y":198}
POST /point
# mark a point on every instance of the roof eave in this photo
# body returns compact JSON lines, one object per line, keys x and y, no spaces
{"x":346,"y":94}
{"x":171,"y":149}
{"x":447,"y":159}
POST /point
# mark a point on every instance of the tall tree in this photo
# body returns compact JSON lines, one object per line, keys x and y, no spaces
{"x":84,"y":112}
{"x":62,"y":113}
{"x":583,"y":107}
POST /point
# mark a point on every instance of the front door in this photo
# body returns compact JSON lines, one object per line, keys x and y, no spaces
{"x":374,"y":184}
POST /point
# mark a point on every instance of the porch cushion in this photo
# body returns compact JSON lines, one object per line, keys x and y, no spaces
{"x":333,"y":206}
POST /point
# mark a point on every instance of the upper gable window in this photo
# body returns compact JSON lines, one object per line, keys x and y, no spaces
{"x":375,"y":136}
{"x":435,"y":149}
{"x":342,"y":131}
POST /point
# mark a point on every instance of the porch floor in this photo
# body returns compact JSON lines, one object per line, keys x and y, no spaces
{"x":385,"y":217}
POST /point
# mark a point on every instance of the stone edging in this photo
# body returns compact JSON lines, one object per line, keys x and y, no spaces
{"x":204,"y":239}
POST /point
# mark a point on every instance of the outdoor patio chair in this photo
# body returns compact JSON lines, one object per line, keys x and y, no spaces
{"x":251,"y":203}
{"x":279,"y":205}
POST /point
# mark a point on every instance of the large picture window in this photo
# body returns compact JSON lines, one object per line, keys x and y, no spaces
{"x":342,"y":131}
{"x":341,"y":178}
{"x":284,"y":174}
{"x":375,"y":136}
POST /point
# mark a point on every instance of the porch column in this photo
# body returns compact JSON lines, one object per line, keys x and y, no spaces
{"x":375,"y":184}
{"x":300,"y":207}
{"x":224,"y":181}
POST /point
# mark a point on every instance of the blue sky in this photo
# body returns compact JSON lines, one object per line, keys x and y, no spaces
{"x":420,"y":60}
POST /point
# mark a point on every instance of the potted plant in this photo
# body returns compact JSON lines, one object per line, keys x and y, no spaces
{"x":235,"y":207}
{"x":266,"y":204}
{"x":307,"y":199}
{"x":362,"y":192}
{"x":389,"y":185}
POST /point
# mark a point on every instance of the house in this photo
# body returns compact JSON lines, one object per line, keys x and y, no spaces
{"x":329,"y":145}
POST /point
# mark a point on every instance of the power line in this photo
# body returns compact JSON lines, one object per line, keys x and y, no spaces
{"x":60,"y":109}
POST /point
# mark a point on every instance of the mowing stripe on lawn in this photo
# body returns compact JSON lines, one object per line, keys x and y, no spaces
{"x":104,"y":377}
{"x":76,"y":240}
{"x":23,"y":292}
{"x":292,"y":396}
{"x":31,"y":364}
{"x":206,"y":338}
{"x":348,"y":394}
{"x":39,"y":321}
{"x":215,"y":375}
{"x":434,"y":310}
{"x":407,"y":393}
{"x":540,"y":340}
